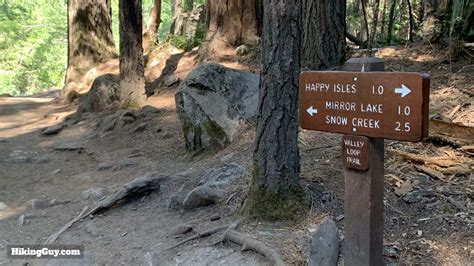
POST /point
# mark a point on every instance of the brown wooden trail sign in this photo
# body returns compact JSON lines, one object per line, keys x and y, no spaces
{"x":373,"y":104}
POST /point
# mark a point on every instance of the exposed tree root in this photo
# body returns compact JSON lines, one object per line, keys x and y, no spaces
{"x":138,"y":187}
{"x":205,"y":234}
{"x":255,"y":245}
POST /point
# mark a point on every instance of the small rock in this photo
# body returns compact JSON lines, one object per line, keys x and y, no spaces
{"x":201,"y":196}
{"x":93,"y":193}
{"x":38,"y":204}
{"x":3,"y":206}
{"x":17,"y":159}
{"x":104,"y":166}
{"x":181,"y":230}
{"x":91,"y":229}
{"x":55,"y":172}
{"x":214,"y":217}
{"x":126,"y":163}
{"x":169,"y":81}
{"x":69,"y":146}
{"x":140,"y":128}
{"x":42,"y":159}
{"x":390,"y":252}
{"x":109,"y":123}
{"x":128,"y":117}
{"x":53,"y":130}
{"x":56,"y":202}
{"x":148,"y":110}
{"x":175,"y":202}
{"x":221,"y":177}
{"x":21,"y":220}
{"x":325,"y":244}
{"x":417,"y":195}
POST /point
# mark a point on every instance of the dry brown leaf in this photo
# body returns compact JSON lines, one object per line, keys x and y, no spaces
{"x":406,"y":187}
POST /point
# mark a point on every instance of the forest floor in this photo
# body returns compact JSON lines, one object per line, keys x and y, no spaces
{"x":428,"y":197}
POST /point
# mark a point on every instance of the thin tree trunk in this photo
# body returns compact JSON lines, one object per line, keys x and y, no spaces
{"x":90,"y":40}
{"x":152,"y":26}
{"x":176,"y":10}
{"x":384,"y":11}
{"x":275,"y":191}
{"x":411,"y":22}
{"x":132,"y":79}
{"x":391,"y":18}
{"x":323,"y":41}
{"x":375,"y":21}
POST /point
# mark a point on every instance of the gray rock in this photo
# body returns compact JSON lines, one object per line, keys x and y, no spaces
{"x":148,"y":110}
{"x":93,"y":193}
{"x":104,"y":166}
{"x":55,"y":172}
{"x":53,"y":130}
{"x":69,"y":146}
{"x":91,"y":229}
{"x":56,"y":202}
{"x":108,"y":124}
{"x":42,"y":159}
{"x":37,"y":204}
{"x":222,"y":176}
{"x":175,"y":201}
{"x":18,"y":157}
{"x":125,"y":163}
{"x":200,"y":197}
{"x":325,"y":244}
{"x":210,"y":103}
{"x":21,"y":220}
{"x":139,"y":128}
{"x":127,"y":117}
{"x":103,"y":93}
{"x":181,"y":230}
{"x":169,"y":81}
{"x":3,"y":206}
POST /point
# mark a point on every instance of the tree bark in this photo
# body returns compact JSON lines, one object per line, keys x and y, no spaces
{"x":275,"y":192}
{"x":229,"y":23}
{"x":382,"y":26}
{"x":152,"y":26}
{"x":176,"y":11}
{"x":375,"y":21}
{"x":90,"y":40}
{"x":411,"y":22}
{"x":132,"y":79}
{"x":391,"y":18}
{"x":323,"y":39}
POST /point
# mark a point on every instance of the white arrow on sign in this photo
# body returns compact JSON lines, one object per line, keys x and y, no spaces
{"x":403,"y":91}
{"x":311,"y":111}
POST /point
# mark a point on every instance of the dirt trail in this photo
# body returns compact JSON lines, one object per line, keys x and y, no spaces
{"x":421,"y":225}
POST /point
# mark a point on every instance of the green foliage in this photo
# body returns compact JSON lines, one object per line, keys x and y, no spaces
{"x":187,"y":43}
{"x":33,"y":45}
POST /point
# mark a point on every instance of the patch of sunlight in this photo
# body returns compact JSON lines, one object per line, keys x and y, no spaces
{"x":9,"y":212}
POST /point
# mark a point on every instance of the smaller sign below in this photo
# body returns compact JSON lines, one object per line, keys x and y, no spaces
{"x":355,"y":152}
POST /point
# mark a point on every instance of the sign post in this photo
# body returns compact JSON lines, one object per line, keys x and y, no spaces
{"x":368,"y":105}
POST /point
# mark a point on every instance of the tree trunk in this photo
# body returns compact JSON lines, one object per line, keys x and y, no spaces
{"x":132,"y":80}
{"x":229,"y":23}
{"x":364,"y":28}
{"x":382,"y":26}
{"x":188,"y":5}
{"x":411,"y":22}
{"x":434,"y":26}
{"x":391,"y":18}
{"x":373,"y":33}
{"x":275,"y":192}
{"x":90,"y":40}
{"x":323,"y":41}
{"x":176,"y":11}
{"x":154,"y":20}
